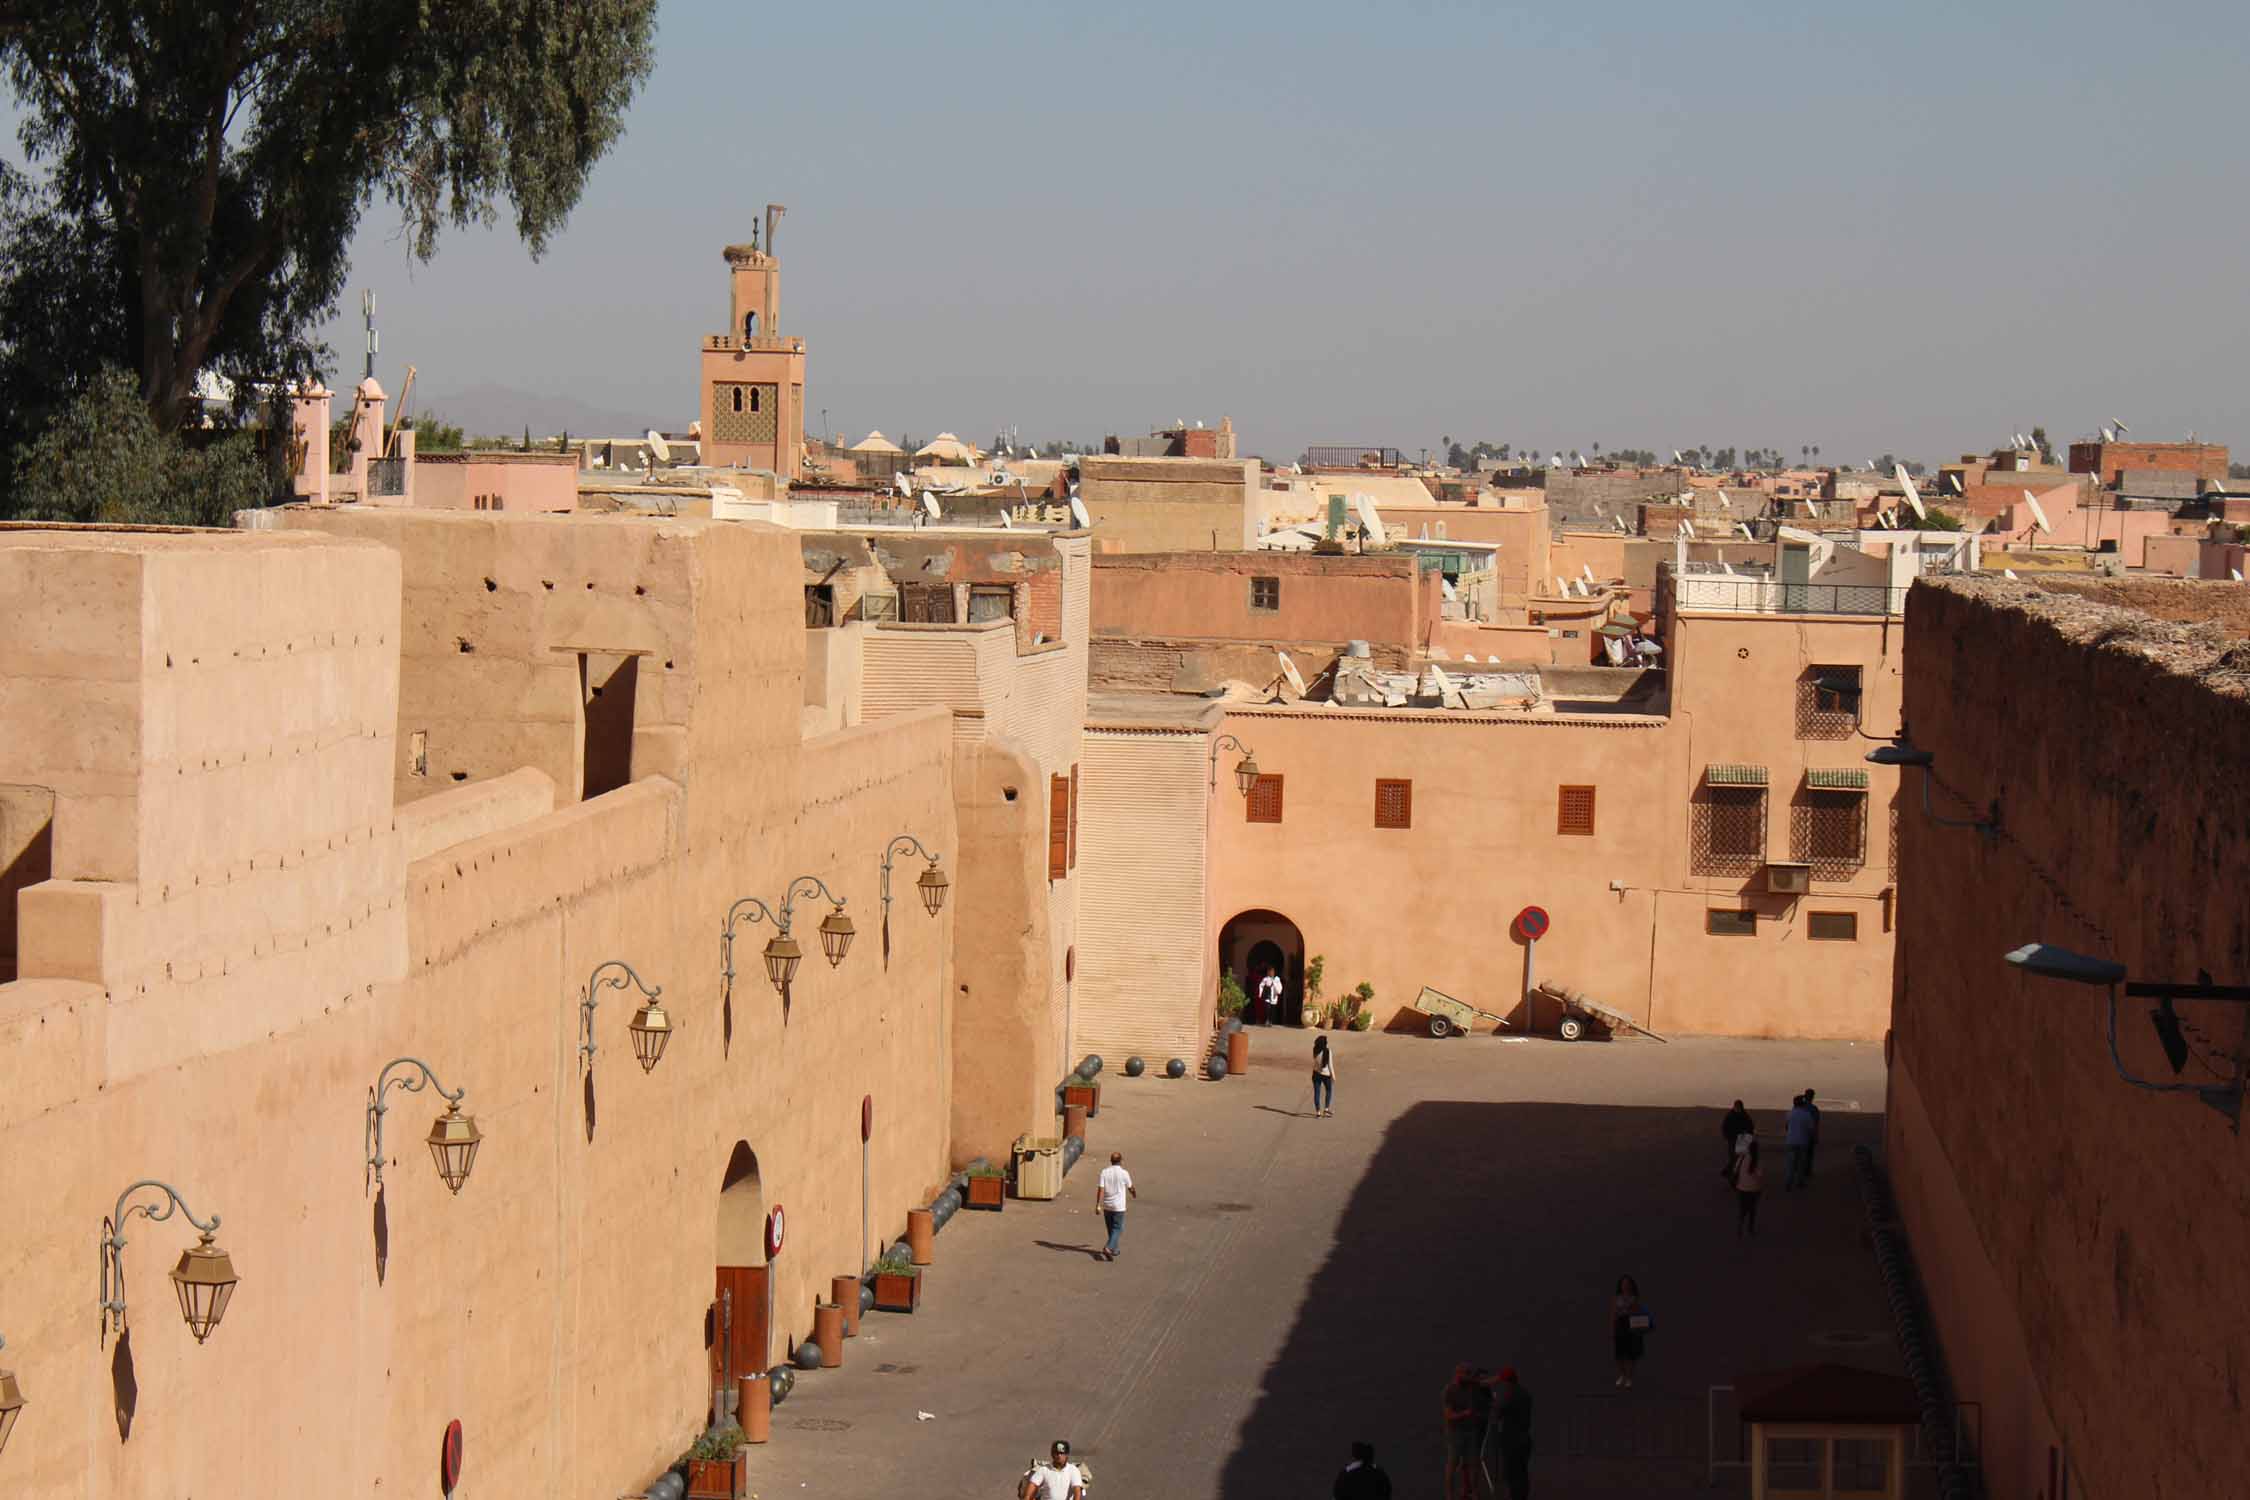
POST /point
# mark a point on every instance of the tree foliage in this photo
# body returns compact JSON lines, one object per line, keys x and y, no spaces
{"x":103,"y":458}
{"x":203,"y":168}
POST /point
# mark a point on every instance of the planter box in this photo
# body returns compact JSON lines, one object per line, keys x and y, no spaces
{"x":1087,"y":1094}
{"x":988,"y":1192}
{"x":896,"y":1291}
{"x":712,"y":1478}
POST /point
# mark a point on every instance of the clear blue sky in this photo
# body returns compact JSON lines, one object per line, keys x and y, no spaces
{"x":1914,"y":227}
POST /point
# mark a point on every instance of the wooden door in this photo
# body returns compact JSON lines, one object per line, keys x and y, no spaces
{"x":738,"y":1318}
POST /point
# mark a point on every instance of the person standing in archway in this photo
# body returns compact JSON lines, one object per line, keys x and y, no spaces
{"x":1269,"y":997}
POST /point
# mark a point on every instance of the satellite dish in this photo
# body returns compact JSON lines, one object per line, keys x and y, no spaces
{"x":1588,"y":570}
{"x":1078,"y":516}
{"x":1621,"y":526}
{"x":1913,"y":496}
{"x":1585,"y":591}
{"x":2108,"y":436}
{"x":1007,"y":522}
{"x":1031,"y":452}
{"x":2120,"y":426}
{"x":1724,"y":502}
{"x":1368,"y":517}
{"x":903,"y":484}
{"x":1747,"y":534}
{"x":2235,"y":574}
{"x":2008,"y":573}
{"x":2038,"y":513}
{"x":1291,"y":675}
{"x":1676,"y":457}
{"x":1725,"y":569}
{"x":930,"y":507}
{"x":1687,"y":527}
{"x":658,"y":446}
{"x":1889,"y":518}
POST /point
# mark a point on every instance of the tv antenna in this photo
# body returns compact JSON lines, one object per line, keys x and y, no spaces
{"x":367,"y":311}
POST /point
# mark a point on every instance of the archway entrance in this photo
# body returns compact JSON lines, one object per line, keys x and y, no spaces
{"x":738,"y":1321}
{"x":1255,"y":943}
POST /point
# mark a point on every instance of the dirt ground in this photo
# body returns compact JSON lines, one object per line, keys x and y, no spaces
{"x":1292,"y":1283}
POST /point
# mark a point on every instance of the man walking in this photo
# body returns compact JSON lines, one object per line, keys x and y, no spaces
{"x":1799,"y":1142}
{"x":1055,"y":1479}
{"x":1269,"y":998}
{"x":1512,"y":1431}
{"x":1812,"y":1147}
{"x":1361,"y":1479}
{"x":1110,"y":1195}
{"x":1734,"y":1127}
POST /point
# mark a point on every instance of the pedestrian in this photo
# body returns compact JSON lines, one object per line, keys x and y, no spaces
{"x":1361,"y":1479}
{"x":1464,"y":1438}
{"x":1799,"y":1142}
{"x":1323,"y":1076}
{"x":1628,"y":1324}
{"x":1512,"y":1433}
{"x":1269,"y":998}
{"x":1734,"y":1127}
{"x":1055,"y":1478}
{"x":1749,"y":1182}
{"x":1812,"y":1147}
{"x":1111,"y":1192}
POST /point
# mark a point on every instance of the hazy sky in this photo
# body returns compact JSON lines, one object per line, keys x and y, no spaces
{"x":1914,"y":227}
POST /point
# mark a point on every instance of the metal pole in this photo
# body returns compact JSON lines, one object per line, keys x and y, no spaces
{"x":1530,"y":978}
{"x":864,"y":1261}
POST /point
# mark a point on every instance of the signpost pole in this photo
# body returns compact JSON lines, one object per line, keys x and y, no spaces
{"x":866,"y":1129}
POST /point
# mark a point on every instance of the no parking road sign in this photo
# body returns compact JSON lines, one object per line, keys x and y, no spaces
{"x":1532,"y":923}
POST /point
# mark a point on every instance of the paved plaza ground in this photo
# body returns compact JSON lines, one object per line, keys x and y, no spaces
{"x":1292,"y":1283}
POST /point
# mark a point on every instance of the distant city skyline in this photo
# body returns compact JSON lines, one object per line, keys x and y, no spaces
{"x":1915,"y":231}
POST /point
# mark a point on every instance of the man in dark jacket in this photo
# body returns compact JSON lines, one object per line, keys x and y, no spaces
{"x":1361,"y":1480}
{"x":1807,"y":1100}
{"x":1512,"y":1434}
{"x":1736,"y":1125}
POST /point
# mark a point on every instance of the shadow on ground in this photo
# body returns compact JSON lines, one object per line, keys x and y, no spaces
{"x":1492,"y":1234}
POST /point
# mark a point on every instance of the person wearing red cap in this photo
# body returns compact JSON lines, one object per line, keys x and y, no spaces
{"x":1511,"y":1431}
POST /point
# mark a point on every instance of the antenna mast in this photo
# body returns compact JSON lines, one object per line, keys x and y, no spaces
{"x":367,"y":310}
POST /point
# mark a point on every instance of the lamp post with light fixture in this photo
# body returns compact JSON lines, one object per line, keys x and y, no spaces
{"x":931,"y":885}
{"x":453,"y":1139}
{"x":651,"y":1028}
{"x":1245,"y":770}
{"x":782,"y":954}
{"x":2050,"y":962}
{"x":1902,"y":753}
{"x":204,"y":1280}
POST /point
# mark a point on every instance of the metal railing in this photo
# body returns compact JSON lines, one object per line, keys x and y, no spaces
{"x":386,"y":477}
{"x":1765,"y":596}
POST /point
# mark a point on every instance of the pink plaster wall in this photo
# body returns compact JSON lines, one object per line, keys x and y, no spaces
{"x":540,"y":482}
{"x":1206,"y":596}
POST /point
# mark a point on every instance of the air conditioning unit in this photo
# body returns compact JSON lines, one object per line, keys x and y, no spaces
{"x":1789,"y":879}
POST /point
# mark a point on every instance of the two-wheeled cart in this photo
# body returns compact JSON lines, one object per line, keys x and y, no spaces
{"x":1580,"y":1011}
{"x":1451,"y":1017}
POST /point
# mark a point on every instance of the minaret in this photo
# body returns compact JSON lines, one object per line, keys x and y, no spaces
{"x":753,"y":378}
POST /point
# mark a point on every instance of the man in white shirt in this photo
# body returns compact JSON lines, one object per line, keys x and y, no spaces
{"x":1110,"y":1195}
{"x":1056,"y":1479}
{"x":1269,"y":998}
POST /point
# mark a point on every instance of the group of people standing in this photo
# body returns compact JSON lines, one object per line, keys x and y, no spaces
{"x":1486,"y":1414}
{"x":1743,"y":1171}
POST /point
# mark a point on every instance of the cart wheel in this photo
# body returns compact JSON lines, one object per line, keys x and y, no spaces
{"x":1440,"y":1027}
{"x":1571,"y":1028}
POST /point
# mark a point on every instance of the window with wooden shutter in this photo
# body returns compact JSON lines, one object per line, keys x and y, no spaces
{"x":1074,"y":817}
{"x":1574,"y":810}
{"x":1263,"y":805}
{"x":1394,"y":803}
{"x":1058,"y":827}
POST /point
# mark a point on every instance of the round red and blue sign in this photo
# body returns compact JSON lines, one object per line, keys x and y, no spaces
{"x":1532,"y":923}
{"x":449,"y":1457}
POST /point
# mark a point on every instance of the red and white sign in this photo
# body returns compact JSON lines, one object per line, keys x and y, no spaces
{"x":773,"y":1232}
{"x":1532,"y":922}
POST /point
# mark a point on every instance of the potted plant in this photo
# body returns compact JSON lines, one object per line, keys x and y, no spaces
{"x":898,"y":1282}
{"x":1232,"y":997}
{"x":988,"y":1188}
{"x":1363,"y":1006}
{"x":1081,"y":1090}
{"x":1313,"y":1012}
{"x":714,"y":1468}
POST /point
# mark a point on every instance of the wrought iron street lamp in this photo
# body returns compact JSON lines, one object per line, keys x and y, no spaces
{"x":651,"y":1028}
{"x":1245,"y":770}
{"x":453,"y":1139}
{"x":2050,"y":962}
{"x":782,"y":954}
{"x":931,"y":885}
{"x":11,"y":1402}
{"x":204,"y":1280}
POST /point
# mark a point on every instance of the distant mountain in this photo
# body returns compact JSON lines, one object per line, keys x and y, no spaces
{"x":502,"y":411}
